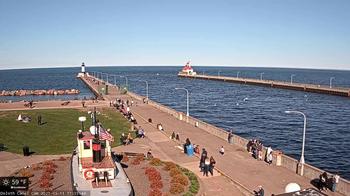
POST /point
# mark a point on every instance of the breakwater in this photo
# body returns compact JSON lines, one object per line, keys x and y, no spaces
{"x":86,"y":79}
{"x":39,"y":92}
{"x":345,"y":92}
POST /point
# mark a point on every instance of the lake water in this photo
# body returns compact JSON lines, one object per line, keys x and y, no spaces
{"x":251,"y":111}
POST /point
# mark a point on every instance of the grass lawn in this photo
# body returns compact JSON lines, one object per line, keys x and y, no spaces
{"x":58,"y":134}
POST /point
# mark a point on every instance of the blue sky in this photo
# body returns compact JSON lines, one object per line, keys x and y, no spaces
{"x":272,"y":33}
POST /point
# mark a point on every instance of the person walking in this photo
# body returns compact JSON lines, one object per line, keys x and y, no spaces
{"x":212,"y":165}
{"x":202,"y":159}
{"x":206,"y":166}
{"x":230,"y":137}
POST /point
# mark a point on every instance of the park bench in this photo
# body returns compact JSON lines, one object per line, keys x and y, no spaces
{"x":65,"y":103}
{"x":2,"y":147}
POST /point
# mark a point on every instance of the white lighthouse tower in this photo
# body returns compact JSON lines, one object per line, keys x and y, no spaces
{"x":83,"y":68}
{"x":82,"y":72}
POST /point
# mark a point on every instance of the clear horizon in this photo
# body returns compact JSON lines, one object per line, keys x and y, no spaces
{"x":313,"y":34}
{"x":194,"y":67}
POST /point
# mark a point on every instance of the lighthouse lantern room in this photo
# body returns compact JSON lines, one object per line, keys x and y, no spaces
{"x":187,"y":70}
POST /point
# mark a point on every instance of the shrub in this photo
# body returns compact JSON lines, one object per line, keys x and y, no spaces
{"x":155,"y":192}
{"x":149,"y":170}
{"x":169,"y":165}
{"x":62,"y":159}
{"x":45,"y":183}
{"x":137,"y":160}
{"x":46,"y":176}
{"x":140,"y":157}
{"x":49,"y":164}
{"x":156,"y":162}
{"x":25,"y":173}
{"x":153,"y":174}
{"x":50,"y":170}
{"x":194,"y":187}
{"x":174,"y":172}
{"x":176,"y":188}
{"x":156,"y":184}
{"x":181,"y":179}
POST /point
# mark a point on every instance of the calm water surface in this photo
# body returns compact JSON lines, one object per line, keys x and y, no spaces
{"x":251,"y":111}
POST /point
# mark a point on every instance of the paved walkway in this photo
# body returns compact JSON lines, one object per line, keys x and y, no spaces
{"x":237,"y":164}
{"x":10,"y":162}
{"x":50,"y":105}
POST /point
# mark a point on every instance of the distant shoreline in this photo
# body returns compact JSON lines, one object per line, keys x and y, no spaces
{"x":180,"y":66}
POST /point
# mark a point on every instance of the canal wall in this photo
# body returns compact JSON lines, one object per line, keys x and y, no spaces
{"x":344,"y":92}
{"x":285,"y":161}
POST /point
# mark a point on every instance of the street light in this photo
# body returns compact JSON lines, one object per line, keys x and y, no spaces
{"x":302,"y":160}
{"x":238,"y":72}
{"x":82,"y":119}
{"x":126,"y":81}
{"x":146,"y":87}
{"x":188,"y":112}
{"x":330,"y":81}
{"x":291,"y":78}
{"x":261,"y":75}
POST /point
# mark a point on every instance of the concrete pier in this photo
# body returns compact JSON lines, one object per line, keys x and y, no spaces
{"x":345,"y":92}
{"x":244,"y":172}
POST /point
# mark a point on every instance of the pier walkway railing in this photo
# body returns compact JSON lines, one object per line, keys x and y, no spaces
{"x":339,"y":91}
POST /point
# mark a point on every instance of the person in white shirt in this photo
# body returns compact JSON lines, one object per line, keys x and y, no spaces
{"x":222,"y":150}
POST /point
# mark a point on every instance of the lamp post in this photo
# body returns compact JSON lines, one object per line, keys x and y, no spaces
{"x":238,"y":72}
{"x":82,"y":119}
{"x":330,"y":81}
{"x":146,"y":88}
{"x":261,"y":75}
{"x":219,"y":73}
{"x":291,"y":78}
{"x":126,"y":81}
{"x":188,"y":102}
{"x":115,"y":80}
{"x":302,"y":160}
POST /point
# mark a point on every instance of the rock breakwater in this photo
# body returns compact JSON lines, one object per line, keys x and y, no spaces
{"x":39,"y":92}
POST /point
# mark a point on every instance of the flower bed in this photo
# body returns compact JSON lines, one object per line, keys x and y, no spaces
{"x":48,"y":175}
{"x":160,"y":178}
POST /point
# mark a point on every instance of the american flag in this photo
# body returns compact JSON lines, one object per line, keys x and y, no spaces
{"x":105,"y":135}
